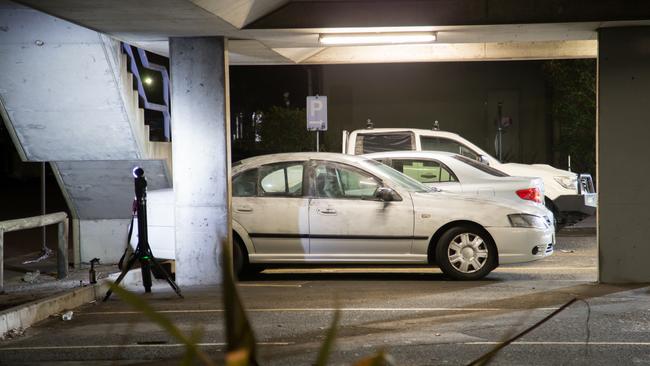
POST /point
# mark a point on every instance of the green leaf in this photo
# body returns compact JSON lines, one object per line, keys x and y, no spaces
{"x":328,"y":344}
{"x":239,"y":333}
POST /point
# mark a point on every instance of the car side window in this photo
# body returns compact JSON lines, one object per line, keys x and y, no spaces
{"x":430,"y":143}
{"x":284,"y":179}
{"x":245,"y":184}
{"x":340,"y":181}
{"x":424,"y":171}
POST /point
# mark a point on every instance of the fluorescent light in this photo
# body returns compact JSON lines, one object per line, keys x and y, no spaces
{"x":334,"y":39}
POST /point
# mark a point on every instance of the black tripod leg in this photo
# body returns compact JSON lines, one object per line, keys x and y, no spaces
{"x":145,"y":266}
{"x":167,"y":276}
{"x":126,"y":270}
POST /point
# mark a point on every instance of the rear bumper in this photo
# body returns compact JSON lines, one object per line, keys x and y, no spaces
{"x":517,"y":245}
{"x":585,"y":203}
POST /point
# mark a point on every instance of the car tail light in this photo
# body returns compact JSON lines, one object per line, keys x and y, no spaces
{"x":530,"y":194}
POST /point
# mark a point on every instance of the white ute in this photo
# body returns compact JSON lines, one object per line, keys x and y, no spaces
{"x":565,"y":192}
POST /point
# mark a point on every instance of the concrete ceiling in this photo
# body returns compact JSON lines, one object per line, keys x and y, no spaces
{"x":286,"y":32}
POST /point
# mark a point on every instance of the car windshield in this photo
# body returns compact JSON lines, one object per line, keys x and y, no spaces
{"x":398,"y":178}
{"x":480,"y":166}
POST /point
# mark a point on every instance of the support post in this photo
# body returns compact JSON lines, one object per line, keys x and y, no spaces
{"x":622,"y":152}
{"x":62,"y":250}
{"x":201,"y":151}
{"x":76,"y":248}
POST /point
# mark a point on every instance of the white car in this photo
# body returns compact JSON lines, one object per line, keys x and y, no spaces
{"x":334,"y":208}
{"x":566,"y":193}
{"x":460,"y":174}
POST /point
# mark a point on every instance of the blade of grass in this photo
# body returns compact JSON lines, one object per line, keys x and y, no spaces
{"x":162,"y":321}
{"x":486,"y":358}
{"x":239,"y":333}
{"x":328,"y":344}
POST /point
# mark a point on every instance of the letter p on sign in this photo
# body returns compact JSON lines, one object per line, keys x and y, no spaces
{"x":317,"y":113}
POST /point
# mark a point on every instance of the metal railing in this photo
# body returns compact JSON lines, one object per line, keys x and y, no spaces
{"x":59,"y":218}
{"x":163,"y":108}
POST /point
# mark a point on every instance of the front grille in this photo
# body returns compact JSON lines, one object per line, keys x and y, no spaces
{"x":549,"y":248}
{"x":586,"y":184}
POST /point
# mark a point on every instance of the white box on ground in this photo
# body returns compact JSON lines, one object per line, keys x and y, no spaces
{"x":317,"y":113}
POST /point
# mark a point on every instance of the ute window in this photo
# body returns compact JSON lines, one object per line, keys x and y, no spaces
{"x":378,"y":142}
{"x":424,"y":171}
{"x":482,"y":167}
{"x":284,"y":179}
{"x":430,"y":143}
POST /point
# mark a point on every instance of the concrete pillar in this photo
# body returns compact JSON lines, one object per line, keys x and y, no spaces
{"x":201,"y":151}
{"x":623,"y":150}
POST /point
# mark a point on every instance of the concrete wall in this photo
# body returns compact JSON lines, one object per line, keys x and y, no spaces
{"x":622,"y":154}
{"x":103,"y":239}
{"x":462,"y":96}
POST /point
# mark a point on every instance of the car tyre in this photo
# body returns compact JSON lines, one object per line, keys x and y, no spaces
{"x":466,"y":253}
{"x":241,"y":266}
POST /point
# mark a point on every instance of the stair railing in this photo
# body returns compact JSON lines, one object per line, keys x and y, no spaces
{"x":163,"y":108}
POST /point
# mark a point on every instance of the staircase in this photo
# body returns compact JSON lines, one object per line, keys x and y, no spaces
{"x":67,"y":96}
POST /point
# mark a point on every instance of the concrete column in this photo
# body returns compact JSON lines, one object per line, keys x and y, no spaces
{"x":201,"y":151}
{"x":623,"y":150}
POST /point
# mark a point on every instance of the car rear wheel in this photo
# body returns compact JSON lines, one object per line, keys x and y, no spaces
{"x":466,"y":253}
{"x":241,"y":267}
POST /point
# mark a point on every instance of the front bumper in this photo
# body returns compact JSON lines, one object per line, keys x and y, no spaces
{"x":517,"y":245}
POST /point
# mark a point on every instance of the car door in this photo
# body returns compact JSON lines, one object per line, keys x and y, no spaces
{"x":348,"y":223}
{"x":430,"y":172}
{"x":268,"y":202}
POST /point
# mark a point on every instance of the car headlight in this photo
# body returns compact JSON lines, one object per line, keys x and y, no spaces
{"x":567,"y":181}
{"x":525,"y":220}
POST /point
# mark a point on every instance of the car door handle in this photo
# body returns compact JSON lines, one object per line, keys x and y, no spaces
{"x":428,"y":176}
{"x":326,"y":211}
{"x":244,"y":209}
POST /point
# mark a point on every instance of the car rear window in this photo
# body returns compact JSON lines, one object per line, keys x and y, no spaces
{"x":480,"y":166}
{"x":378,"y":142}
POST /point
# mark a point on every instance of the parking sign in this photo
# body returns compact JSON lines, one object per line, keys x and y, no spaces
{"x":317,"y":113}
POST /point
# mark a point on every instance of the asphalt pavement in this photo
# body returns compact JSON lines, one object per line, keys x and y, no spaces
{"x":414,"y":314}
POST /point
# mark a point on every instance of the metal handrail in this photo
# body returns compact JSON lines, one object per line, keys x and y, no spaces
{"x":164,"y":108}
{"x":59,"y":218}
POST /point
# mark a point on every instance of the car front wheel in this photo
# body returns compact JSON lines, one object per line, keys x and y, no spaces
{"x":466,"y":253}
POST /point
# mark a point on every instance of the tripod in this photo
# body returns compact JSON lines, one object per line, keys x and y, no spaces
{"x":143,"y":251}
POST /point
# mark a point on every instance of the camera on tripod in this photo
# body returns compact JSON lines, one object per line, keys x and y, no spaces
{"x":142,"y":252}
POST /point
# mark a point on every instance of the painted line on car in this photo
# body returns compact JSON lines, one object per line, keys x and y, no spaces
{"x":216,"y":344}
{"x":415,"y":270}
{"x":286,"y":310}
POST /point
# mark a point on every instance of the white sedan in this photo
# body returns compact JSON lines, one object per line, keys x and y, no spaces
{"x":456,"y":173}
{"x":309,"y":208}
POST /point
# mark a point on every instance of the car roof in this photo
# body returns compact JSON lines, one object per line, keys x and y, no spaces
{"x":411,"y":154}
{"x":419,"y":131}
{"x":296,"y":156}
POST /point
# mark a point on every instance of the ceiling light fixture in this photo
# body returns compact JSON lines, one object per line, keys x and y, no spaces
{"x":345,"y":39}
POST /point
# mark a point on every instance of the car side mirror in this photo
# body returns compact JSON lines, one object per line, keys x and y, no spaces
{"x":483,"y":159}
{"x":387,"y":194}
